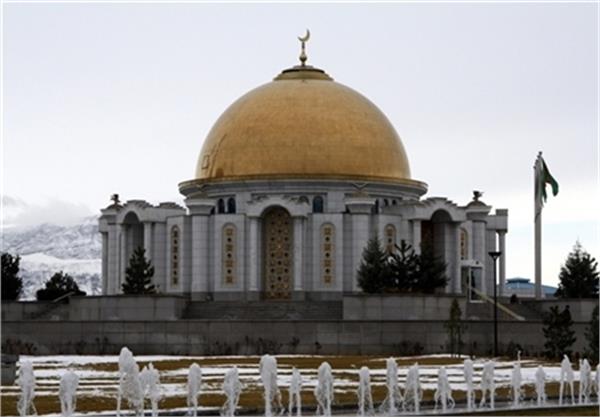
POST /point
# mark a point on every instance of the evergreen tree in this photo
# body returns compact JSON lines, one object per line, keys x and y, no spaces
{"x":58,"y":285}
{"x":591,"y":335}
{"x":558,"y":332}
{"x":138,"y":275}
{"x":579,"y":275}
{"x":374,"y":273}
{"x":403,"y":266}
{"x":12,"y":284}
{"x":454,"y":328}
{"x":431,"y":272}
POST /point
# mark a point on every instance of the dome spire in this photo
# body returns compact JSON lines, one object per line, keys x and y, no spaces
{"x":303,"y":40}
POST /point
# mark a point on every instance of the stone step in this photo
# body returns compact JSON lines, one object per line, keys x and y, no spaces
{"x":264,"y":310}
{"x":485,"y":311}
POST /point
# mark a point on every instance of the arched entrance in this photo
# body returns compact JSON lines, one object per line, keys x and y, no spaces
{"x":278,"y":245}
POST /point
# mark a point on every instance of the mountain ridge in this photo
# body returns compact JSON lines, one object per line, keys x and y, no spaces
{"x":49,"y":248}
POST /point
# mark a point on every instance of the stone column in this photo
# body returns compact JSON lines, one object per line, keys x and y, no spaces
{"x":253,"y":255}
{"x":122,"y":256}
{"x":479,"y":244}
{"x":105,"y":259}
{"x":455,"y":236}
{"x":490,"y":244}
{"x":148,"y":240}
{"x":416,"y":232}
{"x":359,"y":207}
{"x":502,"y":260}
{"x":298,"y":253}
{"x":200,"y":211}
{"x":200,"y":238}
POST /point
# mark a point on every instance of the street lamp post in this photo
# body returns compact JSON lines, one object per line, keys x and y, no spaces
{"x":495,"y":255}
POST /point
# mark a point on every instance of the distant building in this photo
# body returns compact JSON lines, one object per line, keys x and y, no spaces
{"x":523,"y":287}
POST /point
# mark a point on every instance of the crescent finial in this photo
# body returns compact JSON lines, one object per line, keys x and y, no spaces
{"x":303,"y":40}
{"x":306,"y":37}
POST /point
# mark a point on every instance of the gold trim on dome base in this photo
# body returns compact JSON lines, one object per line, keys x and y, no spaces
{"x":190,"y":186}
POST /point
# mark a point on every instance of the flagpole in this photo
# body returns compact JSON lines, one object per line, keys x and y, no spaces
{"x":537,"y":195}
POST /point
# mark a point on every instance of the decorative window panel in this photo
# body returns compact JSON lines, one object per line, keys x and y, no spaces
{"x":327,"y":253}
{"x":175,"y":245}
{"x":464,"y":244}
{"x":229,"y":255}
{"x":390,"y":238}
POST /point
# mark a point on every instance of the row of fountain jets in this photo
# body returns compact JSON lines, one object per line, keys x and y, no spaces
{"x":136,"y":387}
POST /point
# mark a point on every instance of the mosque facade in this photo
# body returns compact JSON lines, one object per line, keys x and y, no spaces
{"x":292,"y":181}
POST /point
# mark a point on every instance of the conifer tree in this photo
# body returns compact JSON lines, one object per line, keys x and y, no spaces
{"x":12,"y":284}
{"x":455,"y":328}
{"x":58,"y":285}
{"x":374,"y":273}
{"x":138,"y":275}
{"x":591,"y":335}
{"x":579,"y":275}
{"x":403,"y":266}
{"x":558,"y":332}
{"x":431,"y":273}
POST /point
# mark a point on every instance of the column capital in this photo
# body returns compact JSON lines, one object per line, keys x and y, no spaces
{"x":200,"y":206}
{"x":359,"y":204}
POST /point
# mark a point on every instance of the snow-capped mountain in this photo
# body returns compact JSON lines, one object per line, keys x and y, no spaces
{"x":48,"y":248}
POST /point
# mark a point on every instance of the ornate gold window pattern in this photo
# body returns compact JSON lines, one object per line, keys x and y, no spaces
{"x":327,"y":253}
{"x":464,"y":244}
{"x":390,"y":238}
{"x":175,"y":239}
{"x":278,"y":235}
{"x":229,"y":249}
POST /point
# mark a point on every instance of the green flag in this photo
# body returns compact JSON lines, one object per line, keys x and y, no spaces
{"x":542,"y":178}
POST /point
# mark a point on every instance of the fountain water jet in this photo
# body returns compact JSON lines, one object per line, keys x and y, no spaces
{"x":130,"y":387}
{"x":487,"y":384}
{"x":566,"y":377}
{"x":67,"y":392}
{"x":443,"y":393}
{"x":151,"y":389}
{"x":468,"y":372}
{"x":365,"y":399}
{"x":393,"y":398}
{"x":324,"y":390}
{"x":232,"y":388}
{"x":194,"y":383}
{"x":597,"y":384}
{"x":268,"y":377}
{"x":413,"y":392}
{"x":540,"y":386}
{"x":515,"y":381}
{"x":585,"y":381}
{"x":26,"y":382}
{"x":295,"y":399}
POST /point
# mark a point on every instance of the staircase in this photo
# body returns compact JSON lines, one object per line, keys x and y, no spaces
{"x":485,"y":311}
{"x":265,"y":310}
{"x":56,"y":310}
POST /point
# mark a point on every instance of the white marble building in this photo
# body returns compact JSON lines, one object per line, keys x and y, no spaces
{"x":291,"y":182}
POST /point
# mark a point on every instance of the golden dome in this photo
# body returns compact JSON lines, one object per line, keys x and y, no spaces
{"x":303,"y":125}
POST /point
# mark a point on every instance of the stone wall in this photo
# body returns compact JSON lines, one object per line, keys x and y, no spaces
{"x":581,"y":309}
{"x":126,"y":307}
{"x":20,"y":310}
{"x":214,"y":337}
{"x":400,"y":307}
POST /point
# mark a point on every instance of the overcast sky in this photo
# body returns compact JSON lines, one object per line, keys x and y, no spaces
{"x":101,"y":99}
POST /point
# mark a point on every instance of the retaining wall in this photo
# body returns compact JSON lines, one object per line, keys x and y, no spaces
{"x":127,"y":307}
{"x":213,"y":337}
{"x":400,"y":307}
{"x":581,"y":309}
